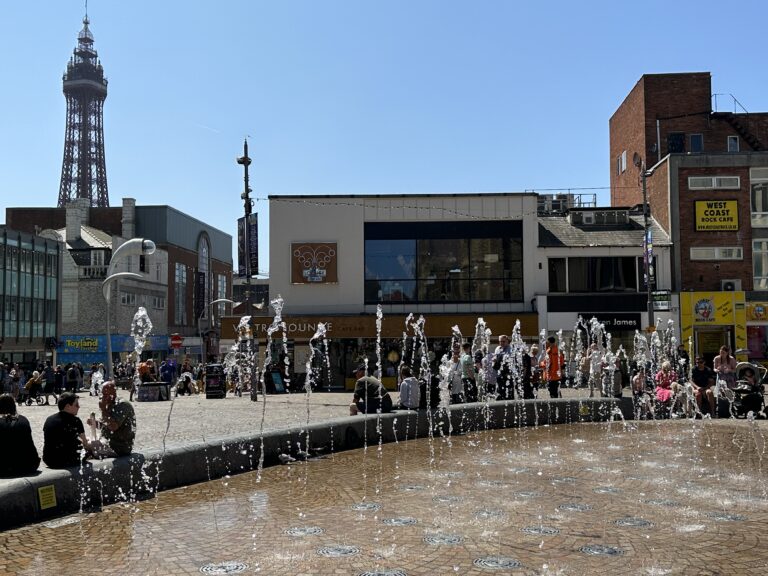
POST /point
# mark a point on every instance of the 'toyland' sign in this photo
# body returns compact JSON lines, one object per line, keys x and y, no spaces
{"x":717,"y":215}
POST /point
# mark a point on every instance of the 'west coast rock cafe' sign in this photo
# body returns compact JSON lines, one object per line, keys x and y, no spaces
{"x":717,"y":215}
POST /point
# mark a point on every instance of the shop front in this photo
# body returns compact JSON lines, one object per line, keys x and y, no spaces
{"x":92,"y":348}
{"x":757,"y":331}
{"x":713,"y":319}
{"x":350,"y":340}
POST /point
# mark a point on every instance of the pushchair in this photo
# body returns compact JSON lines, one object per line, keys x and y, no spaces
{"x":746,"y":394}
{"x":33,"y":393}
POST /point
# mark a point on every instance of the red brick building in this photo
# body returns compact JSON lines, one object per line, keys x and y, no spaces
{"x":707,"y":187}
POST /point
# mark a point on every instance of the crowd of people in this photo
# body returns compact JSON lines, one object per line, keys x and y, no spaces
{"x":667,"y":388}
{"x":502,"y":373}
{"x":517,"y":370}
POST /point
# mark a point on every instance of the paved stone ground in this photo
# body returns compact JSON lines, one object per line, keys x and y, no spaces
{"x":194,"y":418}
{"x":647,"y":498}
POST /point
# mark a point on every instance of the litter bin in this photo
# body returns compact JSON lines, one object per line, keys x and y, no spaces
{"x":215,"y":381}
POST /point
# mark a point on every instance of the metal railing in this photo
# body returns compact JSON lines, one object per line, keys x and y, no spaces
{"x":92,"y":272}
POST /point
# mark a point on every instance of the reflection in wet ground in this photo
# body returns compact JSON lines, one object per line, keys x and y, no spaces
{"x":642,"y":498}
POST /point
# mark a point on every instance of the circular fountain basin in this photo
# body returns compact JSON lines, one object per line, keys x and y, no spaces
{"x":669,"y":497}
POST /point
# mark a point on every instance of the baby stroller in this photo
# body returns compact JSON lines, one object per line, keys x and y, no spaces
{"x":32,"y":393}
{"x":745,"y":393}
{"x":748,"y":391}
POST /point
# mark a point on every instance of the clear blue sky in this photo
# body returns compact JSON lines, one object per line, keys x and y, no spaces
{"x":352,"y":96}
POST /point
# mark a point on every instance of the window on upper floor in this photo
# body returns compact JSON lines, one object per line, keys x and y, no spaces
{"x":97,"y":257}
{"x":443,"y":262}
{"x":128,"y":298}
{"x":733,"y":143}
{"x":676,"y":143}
{"x":758,"y":196}
{"x":696,"y":143}
{"x":714,"y":183}
{"x":557,"y":275}
{"x":760,"y":264}
{"x":593,"y":274}
{"x":717,"y":253}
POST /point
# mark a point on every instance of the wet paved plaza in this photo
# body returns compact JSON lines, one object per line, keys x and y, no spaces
{"x":671,"y":497}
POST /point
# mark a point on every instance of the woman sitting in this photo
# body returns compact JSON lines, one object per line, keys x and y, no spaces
{"x":18,"y":455}
{"x":667,"y":387}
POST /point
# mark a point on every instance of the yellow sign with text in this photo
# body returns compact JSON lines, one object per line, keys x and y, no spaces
{"x":717,"y":215}
{"x":47,"y":496}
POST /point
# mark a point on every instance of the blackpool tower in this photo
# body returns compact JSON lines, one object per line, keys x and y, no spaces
{"x":84,"y":172}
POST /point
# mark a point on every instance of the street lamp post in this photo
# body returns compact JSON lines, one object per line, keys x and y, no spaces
{"x":131,"y":247}
{"x":200,"y":318}
{"x":245,"y":161}
{"x":650,"y":273}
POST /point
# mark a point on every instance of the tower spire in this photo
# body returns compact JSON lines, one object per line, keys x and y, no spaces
{"x":83,"y":171}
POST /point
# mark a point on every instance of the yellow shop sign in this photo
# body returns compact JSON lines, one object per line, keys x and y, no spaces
{"x":757,"y":311}
{"x":715,"y":308}
{"x":717,"y":215}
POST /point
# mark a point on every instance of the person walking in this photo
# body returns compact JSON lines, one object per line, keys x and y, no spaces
{"x":552,"y":367}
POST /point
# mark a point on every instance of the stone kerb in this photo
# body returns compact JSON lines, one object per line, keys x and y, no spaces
{"x":140,"y":476}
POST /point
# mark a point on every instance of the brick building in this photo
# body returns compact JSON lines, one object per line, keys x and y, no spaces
{"x":707,"y":187}
{"x":191,"y":267}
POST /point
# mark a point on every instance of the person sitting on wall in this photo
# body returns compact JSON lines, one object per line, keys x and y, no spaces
{"x":18,"y":455}
{"x":410,"y":390}
{"x":372,"y":397}
{"x":117,"y":422}
{"x":725,"y":366}
{"x":667,"y":387}
{"x":65,"y":443}
{"x":703,"y":380}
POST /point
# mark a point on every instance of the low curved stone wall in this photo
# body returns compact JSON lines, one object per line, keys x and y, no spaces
{"x":54,"y":493}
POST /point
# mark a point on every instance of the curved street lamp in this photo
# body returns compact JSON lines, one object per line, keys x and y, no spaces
{"x":200,"y":319}
{"x":130,"y":248}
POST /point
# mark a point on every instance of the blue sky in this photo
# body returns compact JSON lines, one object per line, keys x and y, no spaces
{"x":352,"y":96}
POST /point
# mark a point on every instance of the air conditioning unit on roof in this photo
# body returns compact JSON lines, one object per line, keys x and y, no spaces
{"x":730,"y":285}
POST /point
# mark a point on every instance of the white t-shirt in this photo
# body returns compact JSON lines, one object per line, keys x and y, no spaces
{"x":410,"y":393}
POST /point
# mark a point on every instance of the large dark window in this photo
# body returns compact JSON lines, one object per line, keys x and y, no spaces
{"x":443,"y":262}
{"x":557,"y":275}
{"x":608,"y":274}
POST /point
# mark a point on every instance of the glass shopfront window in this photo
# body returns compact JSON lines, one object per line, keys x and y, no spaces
{"x":443,"y":262}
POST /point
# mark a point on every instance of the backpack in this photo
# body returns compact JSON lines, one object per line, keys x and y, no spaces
{"x":72,"y":374}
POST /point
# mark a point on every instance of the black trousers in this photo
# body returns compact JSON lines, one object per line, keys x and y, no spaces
{"x":554,"y":388}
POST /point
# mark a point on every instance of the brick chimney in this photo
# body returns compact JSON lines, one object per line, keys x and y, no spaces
{"x":129,"y":218}
{"x":77,"y":215}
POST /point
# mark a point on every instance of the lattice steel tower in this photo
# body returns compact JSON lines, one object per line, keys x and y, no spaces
{"x":83,"y":172}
